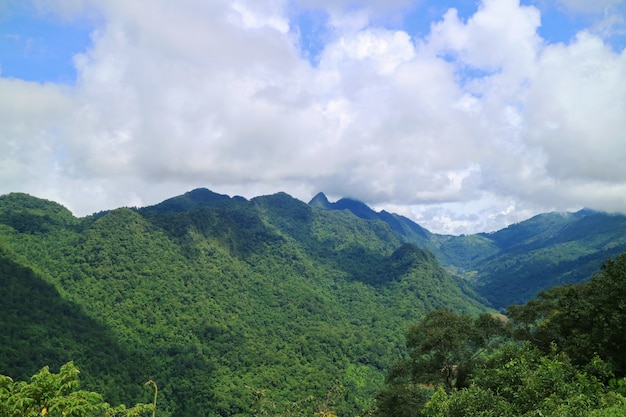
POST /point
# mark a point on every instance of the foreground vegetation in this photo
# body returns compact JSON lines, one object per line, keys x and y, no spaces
{"x":50,"y":394}
{"x":560,"y":355}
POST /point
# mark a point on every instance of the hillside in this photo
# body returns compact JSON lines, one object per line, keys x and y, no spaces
{"x":548,"y":250}
{"x":223,"y":301}
{"x":227,"y":302}
{"x":513,"y":265}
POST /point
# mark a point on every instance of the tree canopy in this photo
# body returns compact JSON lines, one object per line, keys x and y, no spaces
{"x":559,"y":355}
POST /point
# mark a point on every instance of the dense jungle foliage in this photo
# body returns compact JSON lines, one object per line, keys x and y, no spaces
{"x":271,"y":306}
{"x":559,"y":355}
{"x":229,"y":305}
{"x":457,"y":365}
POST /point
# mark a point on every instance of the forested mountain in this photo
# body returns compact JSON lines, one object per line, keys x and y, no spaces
{"x":236,"y":305}
{"x":558,"y":355}
{"x":230,"y":305}
{"x":513,"y":265}
{"x":548,"y":250}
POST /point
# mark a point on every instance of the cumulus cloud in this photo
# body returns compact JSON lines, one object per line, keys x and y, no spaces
{"x":478,"y":124}
{"x":576,"y":117}
{"x":30,"y":117}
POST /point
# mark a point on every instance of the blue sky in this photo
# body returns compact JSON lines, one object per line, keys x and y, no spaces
{"x":464,"y":121}
{"x":38,"y":45}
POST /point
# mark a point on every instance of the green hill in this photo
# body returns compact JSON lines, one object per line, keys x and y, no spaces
{"x":545,"y":251}
{"x":513,"y":265}
{"x":224,"y":302}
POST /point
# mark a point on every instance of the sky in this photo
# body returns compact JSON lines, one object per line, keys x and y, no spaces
{"x":465,"y":116}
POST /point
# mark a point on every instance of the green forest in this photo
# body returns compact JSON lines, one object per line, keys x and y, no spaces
{"x":272,"y":306}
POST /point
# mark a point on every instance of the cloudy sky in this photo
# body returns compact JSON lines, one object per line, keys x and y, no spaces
{"x":463,"y":115}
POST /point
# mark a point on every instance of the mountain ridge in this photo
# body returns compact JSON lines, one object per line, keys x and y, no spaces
{"x":513,"y":264}
{"x":216,"y":298}
{"x":497,"y":263}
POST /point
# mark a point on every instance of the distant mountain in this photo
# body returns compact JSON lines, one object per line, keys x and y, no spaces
{"x":192,"y":200}
{"x":406,"y":229}
{"x":514,"y":264}
{"x":547,"y":250}
{"x":356,"y":207}
{"x":222,"y":301}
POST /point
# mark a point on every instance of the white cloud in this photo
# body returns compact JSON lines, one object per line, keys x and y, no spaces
{"x":30,"y":115}
{"x":478,"y":124}
{"x":252,"y":19}
{"x":385,"y":51}
{"x":576,"y":117}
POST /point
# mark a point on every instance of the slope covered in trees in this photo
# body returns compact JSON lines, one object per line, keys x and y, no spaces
{"x":548,"y":250}
{"x":513,"y":265}
{"x":538,"y":364}
{"x":226,"y":303}
{"x":560,"y":355}
{"x":266,"y":305}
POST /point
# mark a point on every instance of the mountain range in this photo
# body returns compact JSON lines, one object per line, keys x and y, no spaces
{"x":227,"y":302}
{"x":512,"y":265}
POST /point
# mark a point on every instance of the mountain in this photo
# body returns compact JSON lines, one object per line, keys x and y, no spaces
{"x":356,"y":207}
{"x":406,"y":229}
{"x":228,"y":304}
{"x":548,"y":250}
{"x":192,"y":200}
{"x":234,"y":305}
{"x":513,"y":265}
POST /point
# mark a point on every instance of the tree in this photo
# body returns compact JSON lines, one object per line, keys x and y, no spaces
{"x":444,"y":345}
{"x":519,"y":380}
{"x":583,"y":319}
{"x":567,"y":361}
{"x":49,"y":394}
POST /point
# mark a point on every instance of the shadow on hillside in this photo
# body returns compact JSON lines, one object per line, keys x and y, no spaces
{"x":39,"y":328}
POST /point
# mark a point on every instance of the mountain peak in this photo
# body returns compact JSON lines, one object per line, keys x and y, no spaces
{"x":585,"y":212}
{"x":358,"y":208}
{"x":204,"y":195}
{"x":191,"y":200}
{"x":320,"y":201}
